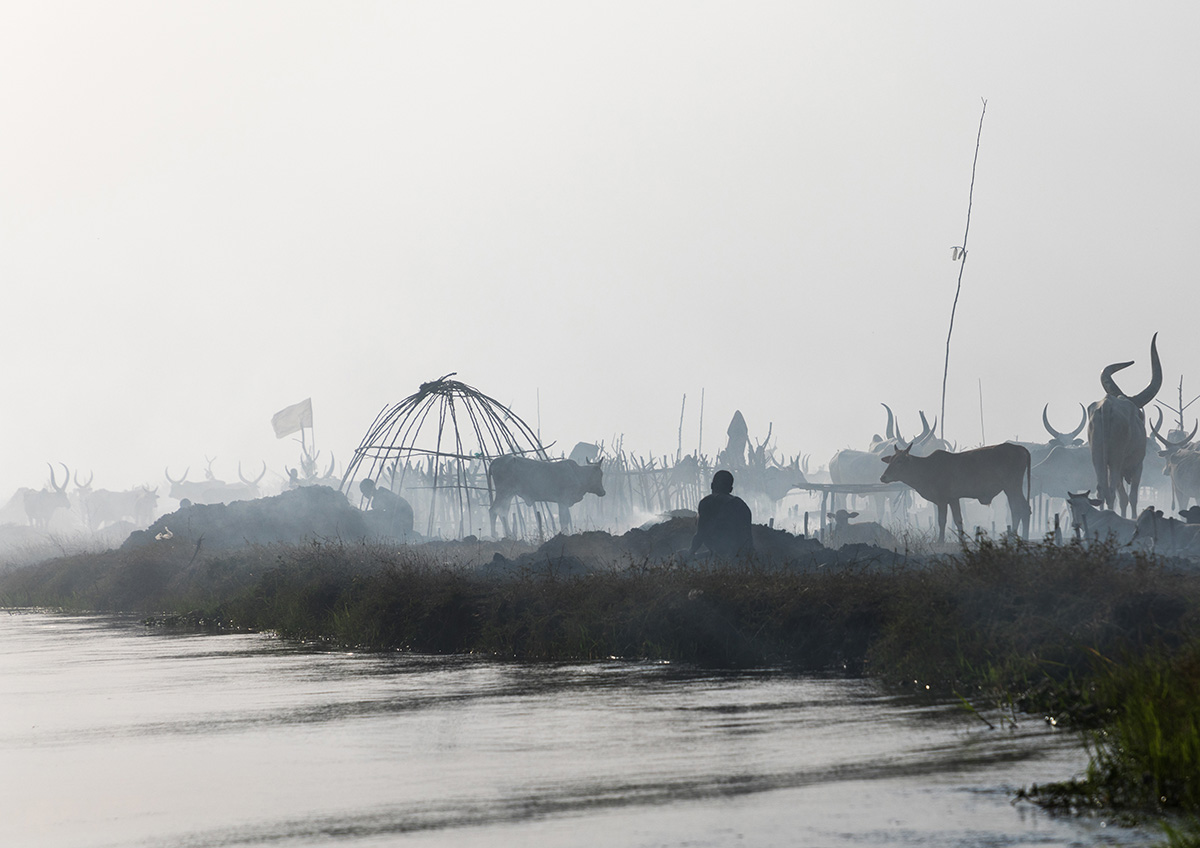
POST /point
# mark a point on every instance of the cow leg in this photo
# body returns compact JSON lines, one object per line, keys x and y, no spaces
{"x":956,"y":511}
{"x":1019,"y":508}
{"x":499,"y":507}
{"x":1135,"y":483}
{"x":941,"y":512}
{"x":564,"y":518}
{"x":1122,"y":498}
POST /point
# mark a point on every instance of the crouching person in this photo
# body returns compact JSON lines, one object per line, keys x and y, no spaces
{"x":723,"y":521}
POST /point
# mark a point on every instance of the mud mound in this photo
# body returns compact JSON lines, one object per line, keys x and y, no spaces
{"x":599,"y":551}
{"x":295,"y":517}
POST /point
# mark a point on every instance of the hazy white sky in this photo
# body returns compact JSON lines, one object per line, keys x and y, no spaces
{"x":209,"y":211}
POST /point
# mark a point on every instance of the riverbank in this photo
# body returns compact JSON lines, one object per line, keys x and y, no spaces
{"x":1105,"y":640}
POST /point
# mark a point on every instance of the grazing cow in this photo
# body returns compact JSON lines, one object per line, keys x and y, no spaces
{"x":864,"y":533}
{"x":558,"y":481}
{"x":40,"y":506}
{"x":944,"y":479}
{"x":101,"y":506}
{"x":1093,"y":523}
{"x":1181,"y":462}
{"x":1117,"y":432}
{"x":213,"y":491}
{"x":1167,"y":535}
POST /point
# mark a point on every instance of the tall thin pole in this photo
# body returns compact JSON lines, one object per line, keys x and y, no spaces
{"x":982,"y":431}
{"x":679,"y":448}
{"x":960,"y":255}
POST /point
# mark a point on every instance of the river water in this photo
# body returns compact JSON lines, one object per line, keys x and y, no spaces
{"x":114,"y":734}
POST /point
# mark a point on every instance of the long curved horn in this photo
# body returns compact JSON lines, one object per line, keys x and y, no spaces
{"x":170,"y":479}
{"x":1082,"y":422}
{"x":1191,"y":435}
{"x":1154,"y":429}
{"x":891,"y":427}
{"x":925,"y":428}
{"x":255,"y":481}
{"x":1106,"y":380}
{"x":54,"y":481}
{"x":1147,"y":394}
{"x":1181,"y":443}
{"x":84,"y":485}
{"x":926,"y":436}
{"x":1064,"y":438}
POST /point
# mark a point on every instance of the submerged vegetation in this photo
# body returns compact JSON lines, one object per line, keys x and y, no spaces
{"x":1096,"y":638}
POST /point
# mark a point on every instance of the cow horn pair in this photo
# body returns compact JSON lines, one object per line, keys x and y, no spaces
{"x":1147,"y":394}
{"x":1064,"y":438}
{"x":892,"y":432}
{"x":66,"y":477}
{"x":1175,"y":445}
{"x":255,"y":481}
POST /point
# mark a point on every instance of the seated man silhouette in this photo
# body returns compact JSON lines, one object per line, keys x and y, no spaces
{"x":386,"y":501}
{"x":723,"y":521}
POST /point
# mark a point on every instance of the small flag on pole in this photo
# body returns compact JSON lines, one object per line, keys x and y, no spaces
{"x":293,"y":418}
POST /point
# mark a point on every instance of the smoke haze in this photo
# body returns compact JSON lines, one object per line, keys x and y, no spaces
{"x":212,"y":211}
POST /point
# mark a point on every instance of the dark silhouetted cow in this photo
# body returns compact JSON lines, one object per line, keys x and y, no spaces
{"x":559,"y":481}
{"x":944,"y":479}
{"x":1117,"y":432}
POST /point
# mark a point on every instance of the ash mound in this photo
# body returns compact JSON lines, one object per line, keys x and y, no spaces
{"x":320,"y":513}
{"x":594,"y":551}
{"x":294,"y":517}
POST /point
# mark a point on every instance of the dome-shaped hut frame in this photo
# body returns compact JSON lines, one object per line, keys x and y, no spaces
{"x":434,"y":448}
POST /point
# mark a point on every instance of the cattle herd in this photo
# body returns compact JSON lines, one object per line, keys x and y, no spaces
{"x":1089,"y":490}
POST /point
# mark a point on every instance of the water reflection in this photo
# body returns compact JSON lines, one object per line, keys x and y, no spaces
{"x":113,"y":734}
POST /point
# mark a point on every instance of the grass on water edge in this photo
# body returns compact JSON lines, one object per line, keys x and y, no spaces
{"x":1096,"y":637}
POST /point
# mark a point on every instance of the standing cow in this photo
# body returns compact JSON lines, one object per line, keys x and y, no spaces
{"x":1117,"y":432}
{"x":558,"y":481}
{"x":944,"y":479}
{"x":1181,"y":462}
{"x":40,"y":506}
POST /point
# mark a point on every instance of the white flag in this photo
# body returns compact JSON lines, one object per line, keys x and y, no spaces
{"x":293,"y":418}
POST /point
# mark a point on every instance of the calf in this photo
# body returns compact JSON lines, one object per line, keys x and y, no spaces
{"x":1093,"y":523}
{"x":864,"y":533}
